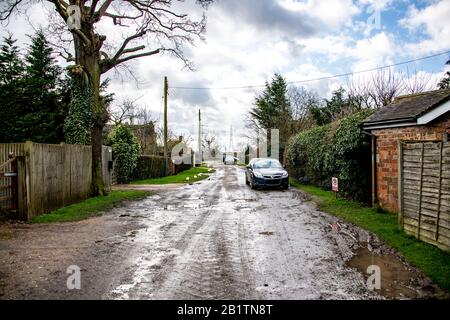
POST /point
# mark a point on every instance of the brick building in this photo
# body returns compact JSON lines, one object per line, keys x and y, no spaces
{"x":418,"y":117}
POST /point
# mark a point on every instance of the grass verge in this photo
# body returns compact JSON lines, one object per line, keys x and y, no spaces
{"x":434,"y":262}
{"x":188,"y":176}
{"x":90,"y":207}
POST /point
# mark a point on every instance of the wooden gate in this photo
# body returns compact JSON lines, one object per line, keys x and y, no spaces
{"x":9,"y":185}
{"x":424,"y":191}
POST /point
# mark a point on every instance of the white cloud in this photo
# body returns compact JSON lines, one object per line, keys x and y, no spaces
{"x":373,"y":52}
{"x":432,"y":20}
{"x":332,"y":13}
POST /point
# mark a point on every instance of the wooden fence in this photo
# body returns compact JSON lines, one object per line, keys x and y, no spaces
{"x":6,"y":191}
{"x":52,"y":176}
{"x":424,"y":191}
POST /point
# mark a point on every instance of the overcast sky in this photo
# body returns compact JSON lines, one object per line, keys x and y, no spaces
{"x":247,"y":41}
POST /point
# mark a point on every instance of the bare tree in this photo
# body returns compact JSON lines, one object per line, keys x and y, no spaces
{"x":144,"y":116}
{"x":123,"y":112}
{"x":359,"y":92}
{"x":128,"y":111}
{"x":416,"y":82}
{"x":148,"y":27}
{"x":209,"y":141}
{"x":384,"y":87}
{"x":301,"y":101}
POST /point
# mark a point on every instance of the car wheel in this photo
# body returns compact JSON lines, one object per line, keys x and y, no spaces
{"x":252,"y":184}
{"x":286,"y":187}
{"x":246,"y":180}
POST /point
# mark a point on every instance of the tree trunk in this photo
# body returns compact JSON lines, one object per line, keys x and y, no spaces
{"x":89,"y":58}
{"x":98,"y":186}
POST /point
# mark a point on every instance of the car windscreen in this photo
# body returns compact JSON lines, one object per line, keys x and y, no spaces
{"x":267,"y":164}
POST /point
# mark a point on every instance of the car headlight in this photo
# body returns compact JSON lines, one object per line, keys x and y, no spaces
{"x":257,"y":174}
{"x":285,"y":174}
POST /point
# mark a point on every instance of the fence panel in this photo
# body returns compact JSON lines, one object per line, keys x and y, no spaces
{"x":425,"y":191}
{"x":51,"y":176}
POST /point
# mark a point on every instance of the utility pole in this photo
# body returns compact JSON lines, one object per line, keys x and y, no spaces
{"x":231,"y":139}
{"x":166,"y":151}
{"x":200,"y":137}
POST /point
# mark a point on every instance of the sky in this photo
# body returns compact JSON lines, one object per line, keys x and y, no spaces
{"x":247,"y":41}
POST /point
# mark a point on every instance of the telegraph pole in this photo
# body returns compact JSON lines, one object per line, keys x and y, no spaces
{"x":200,"y":137}
{"x":166,"y":151}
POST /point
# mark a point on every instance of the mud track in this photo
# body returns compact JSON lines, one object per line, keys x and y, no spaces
{"x":216,"y":239}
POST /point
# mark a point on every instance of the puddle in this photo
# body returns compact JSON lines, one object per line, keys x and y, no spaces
{"x":395,"y":277}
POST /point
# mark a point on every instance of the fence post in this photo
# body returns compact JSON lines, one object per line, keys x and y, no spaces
{"x":438,"y":213}
{"x":420,"y":190}
{"x":22,"y":188}
{"x":28,"y":179}
{"x":400,"y":185}
{"x":14,"y":195}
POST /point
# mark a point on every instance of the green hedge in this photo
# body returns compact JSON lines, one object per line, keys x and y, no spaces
{"x":125,"y":152}
{"x":149,"y":167}
{"x":338,"y":150}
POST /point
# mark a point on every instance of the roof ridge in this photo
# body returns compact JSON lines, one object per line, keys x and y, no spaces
{"x":421,"y":94}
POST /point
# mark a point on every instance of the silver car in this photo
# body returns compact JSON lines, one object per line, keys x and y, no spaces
{"x":266,"y":172}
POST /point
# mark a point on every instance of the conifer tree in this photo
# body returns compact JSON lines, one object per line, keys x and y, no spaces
{"x":44,"y":117}
{"x":445,"y":82}
{"x":11,"y":88}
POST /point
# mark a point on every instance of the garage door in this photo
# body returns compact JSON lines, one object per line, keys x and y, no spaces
{"x":424,"y":191}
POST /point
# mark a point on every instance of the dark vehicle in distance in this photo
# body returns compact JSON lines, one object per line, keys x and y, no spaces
{"x":266,"y":172}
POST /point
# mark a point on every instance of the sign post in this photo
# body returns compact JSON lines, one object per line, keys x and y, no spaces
{"x":335,"y":185}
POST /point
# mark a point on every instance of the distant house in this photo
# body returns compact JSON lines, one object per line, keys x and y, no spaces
{"x":418,"y":118}
{"x":146,"y":135}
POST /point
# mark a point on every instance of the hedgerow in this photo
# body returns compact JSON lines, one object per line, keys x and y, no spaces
{"x":125,"y":152}
{"x":338,"y":150}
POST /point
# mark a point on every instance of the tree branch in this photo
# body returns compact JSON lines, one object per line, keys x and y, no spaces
{"x":93,"y":7}
{"x":7,"y":12}
{"x":130,"y":50}
{"x":102,"y":9}
{"x":134,"y":56}
{"x":61,"y":8}
{"x":82,"y":36}
{"x":125,"y":43}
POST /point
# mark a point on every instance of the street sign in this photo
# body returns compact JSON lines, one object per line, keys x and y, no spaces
{"x":335,"y":184}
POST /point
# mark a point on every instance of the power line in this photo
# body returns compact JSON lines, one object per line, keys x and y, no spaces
{"x":317,"y":79}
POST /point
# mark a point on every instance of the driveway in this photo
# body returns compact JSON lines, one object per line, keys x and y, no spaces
{"x":216,"y":239}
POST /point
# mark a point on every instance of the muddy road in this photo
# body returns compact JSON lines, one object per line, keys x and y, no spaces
{"x":216,"y":239}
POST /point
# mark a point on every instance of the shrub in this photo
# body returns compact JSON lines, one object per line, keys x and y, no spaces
{"x":125,"y":152}
{"x":338,"y":149}
{"x":149,"y":167}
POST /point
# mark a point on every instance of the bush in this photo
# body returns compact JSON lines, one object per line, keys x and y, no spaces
{"x":149,"y":167}
{"x":125,"y":152}
{"x":338,"y":149}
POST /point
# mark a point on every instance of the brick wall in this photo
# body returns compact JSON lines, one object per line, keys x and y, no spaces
{"x":387,"y":156}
